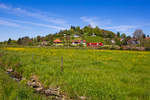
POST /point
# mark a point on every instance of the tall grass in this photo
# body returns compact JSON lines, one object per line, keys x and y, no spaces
{"x":11,"y":90}
{"x":95,"y":74}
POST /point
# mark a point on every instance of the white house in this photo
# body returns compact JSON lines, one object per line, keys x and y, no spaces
{"x":76,"y":36}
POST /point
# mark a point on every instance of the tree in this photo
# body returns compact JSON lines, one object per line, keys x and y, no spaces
{"x":38,"y":38}
{"x":147,"y":35}
{"x":19,"y":41}
{"x":117,"y":42}
{"x":125,"y":40}
{"x":147,"y":44}
{"x":128,"y":37}
{"x":118,"y":34}
{"x":9,"y":41}
{"x":110,"y":34}
{"x":138,"y":34}
{"x":123,"y":35}
{"x":88,"y":30}
{"x":144,"y":36}
{"x":73,"y":27}
{"x":26,"y":41}
{"x":77,"y":29}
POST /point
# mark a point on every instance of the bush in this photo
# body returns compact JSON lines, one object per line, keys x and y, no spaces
{"x":106,"y":47}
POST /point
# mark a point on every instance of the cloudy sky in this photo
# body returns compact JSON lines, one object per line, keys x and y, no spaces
{"x":41,"y":17}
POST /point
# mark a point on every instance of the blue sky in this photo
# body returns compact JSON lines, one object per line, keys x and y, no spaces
{"x":41,"y":17}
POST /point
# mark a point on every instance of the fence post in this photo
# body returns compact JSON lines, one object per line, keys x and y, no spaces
{"x":32,"y":58}
{"x":61,"y":63}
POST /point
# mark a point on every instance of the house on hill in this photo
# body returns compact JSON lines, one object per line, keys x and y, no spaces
{"x":93,"y":35}
{"x":75,"y":42}
{"x":78,"y":42}
{"x":44,"y":43}
{"x":133,"y":41}
{"x":76,"y":36}
{"x":57,"y":42}
{"x":147,"y":38}
{"x":113,"y":41}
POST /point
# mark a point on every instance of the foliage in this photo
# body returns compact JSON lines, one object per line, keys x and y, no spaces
{"x":96,"y":39}
{"x":123,"y":35}
{"x":118,"y":34}
{"x":87,"y":33}
{"x":9,"y":41}
{"x":146,"y":44}
{"x":65,"y":35}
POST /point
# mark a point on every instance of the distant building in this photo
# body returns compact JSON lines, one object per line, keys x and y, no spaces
{"x":113,"y":41}
{"x":147,"y":38}
{"x":58,"y":42}
{"x":76,"y":36}
{"x":44,"y":43}
{"x":121,"y":39}
{"x":133,"y":41}
{"x":93,"y":35}
{"x":83,"y":42}
{"x":77,"y":42}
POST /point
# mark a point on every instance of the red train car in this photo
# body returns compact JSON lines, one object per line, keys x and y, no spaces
{"x":94,"y":44}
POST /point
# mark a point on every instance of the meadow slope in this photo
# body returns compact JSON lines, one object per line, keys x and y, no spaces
{"x":95,"y":74}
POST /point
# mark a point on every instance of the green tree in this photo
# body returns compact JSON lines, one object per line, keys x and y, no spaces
{"x":73,"y":27}
{"x":38,"y":38}
{"x":123,"y":35}
{"x":118,"y":34}
{"x":144,"y":36}
{"x":9,"y":41}
{"x":19,"y":41}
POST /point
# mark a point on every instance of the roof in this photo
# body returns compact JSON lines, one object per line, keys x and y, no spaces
{"x":133,"y":39}
{"x":84,"y":40}
{"x":44,"y":43}
{"x":76,"y":35}
{"x":78,"y":41}
{"x":147,"y":38}
{"x":57,"y":40}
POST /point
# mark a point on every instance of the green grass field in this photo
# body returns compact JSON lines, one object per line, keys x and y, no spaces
{"x":95,"y":74}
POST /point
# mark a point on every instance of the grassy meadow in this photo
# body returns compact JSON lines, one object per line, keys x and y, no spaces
{"x":94,"y":74}
{"x":11,"y":90}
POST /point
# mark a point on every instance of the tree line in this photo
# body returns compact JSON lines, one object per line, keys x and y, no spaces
{"x":87,"y":31}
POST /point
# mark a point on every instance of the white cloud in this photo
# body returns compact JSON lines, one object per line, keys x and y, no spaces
{"x":95,"y":21}
{"x":42,"y":25}
{"x":3,"y":6}
{"x":18,"y":23}
{"x":38,"y":15}
{"x":90,"y":20}
{"x":7,"y":23}
{"x":121,"y":28}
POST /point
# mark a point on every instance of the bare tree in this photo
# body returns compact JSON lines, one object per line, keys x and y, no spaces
{"x":138,"y":34}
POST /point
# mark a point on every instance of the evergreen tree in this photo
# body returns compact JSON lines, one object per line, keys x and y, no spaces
{"x":19,"y":41}
{"x":118,"y":34}
{"x":9,"y":41}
